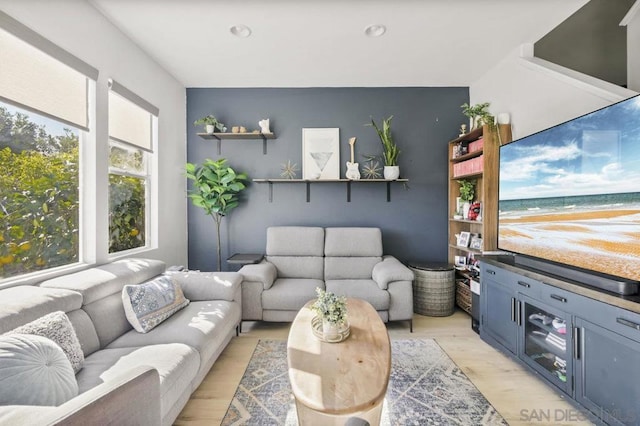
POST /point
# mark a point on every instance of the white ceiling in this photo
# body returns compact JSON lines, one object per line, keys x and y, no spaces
{"x":316,"y":43}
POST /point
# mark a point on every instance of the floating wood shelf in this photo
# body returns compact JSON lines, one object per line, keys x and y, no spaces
{"x":308,"y":183}
{"x":238,"y":136}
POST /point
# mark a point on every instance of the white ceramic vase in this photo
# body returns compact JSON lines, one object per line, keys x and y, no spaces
{"x":330,"y":330}
{"x":209,"y":128}
{"x":465,"y":210}
{"x":391,"y":172}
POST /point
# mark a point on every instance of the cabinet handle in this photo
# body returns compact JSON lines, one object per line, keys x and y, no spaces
{"x":491,"y":272}
{"x":560,"y":298}
{"x":513,"y":309}
{"x":523,"y":284}
{"x":576,"y":343}
{"x":519,"y":313}
{"x":628,"y":323}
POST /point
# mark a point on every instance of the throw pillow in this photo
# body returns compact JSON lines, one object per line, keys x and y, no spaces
{"x":34,"y":371}
{"x":148,"y":304}
{"x":57,"y":327}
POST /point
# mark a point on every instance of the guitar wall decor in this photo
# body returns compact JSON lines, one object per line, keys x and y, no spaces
{"x":352,"y":172}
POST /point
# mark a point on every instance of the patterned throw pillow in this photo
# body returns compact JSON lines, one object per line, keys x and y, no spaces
{"x":148,"y":304}
{"x":57,"y":327}
{"x":34,"y":371}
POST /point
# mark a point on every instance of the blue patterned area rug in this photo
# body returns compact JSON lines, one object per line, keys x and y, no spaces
{"x":425,"y":387}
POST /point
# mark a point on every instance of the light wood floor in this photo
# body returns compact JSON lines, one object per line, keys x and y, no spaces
{"x":519,"y":396}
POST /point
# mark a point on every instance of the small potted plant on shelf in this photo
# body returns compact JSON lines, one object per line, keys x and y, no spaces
{"x":467,"y":192}
{"x":333,"y":311}
{"x":210,"y":123}
{"x":390,"y":150}
{"x":478,"y":114}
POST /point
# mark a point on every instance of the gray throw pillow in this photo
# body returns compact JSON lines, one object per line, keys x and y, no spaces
{"x":148,"y":304}
{"x":57,"y":327}
{"x":34,"y":371}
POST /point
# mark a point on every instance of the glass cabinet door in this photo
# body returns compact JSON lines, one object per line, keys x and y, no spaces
{"x":546,"y":342}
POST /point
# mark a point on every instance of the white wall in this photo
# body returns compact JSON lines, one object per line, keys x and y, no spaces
{"x":83,"y":31}
{"x":539,"y":94}
{"x":633,"y":49}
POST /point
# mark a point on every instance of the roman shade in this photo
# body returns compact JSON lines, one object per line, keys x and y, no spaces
{"x":130,"y":117}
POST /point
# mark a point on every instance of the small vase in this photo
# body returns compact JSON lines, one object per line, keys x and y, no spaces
{"x":391,"y":172}
{"x":465,"y":210}
{"x":210,"y":128}
{"x":330,"y":330}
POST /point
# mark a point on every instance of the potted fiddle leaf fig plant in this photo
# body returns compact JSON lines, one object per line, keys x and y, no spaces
{"x":215,"y":189}
{"x":210,"y":123}
{"x":390,"y":150}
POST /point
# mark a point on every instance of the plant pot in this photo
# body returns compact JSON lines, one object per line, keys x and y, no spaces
{"x":209,"y":128}
{"x":330,"y":330}
{"x":465,"y":210}
{"x":391,"y":172}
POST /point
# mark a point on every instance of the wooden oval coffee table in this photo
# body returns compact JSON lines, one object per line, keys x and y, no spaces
{"x":332,"y":382}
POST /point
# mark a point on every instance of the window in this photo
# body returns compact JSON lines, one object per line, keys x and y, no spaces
{"x":44,"y":99}
{"x":132,"y":124}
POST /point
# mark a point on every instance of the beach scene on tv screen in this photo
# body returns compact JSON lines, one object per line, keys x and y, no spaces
{"x":571,"y":194}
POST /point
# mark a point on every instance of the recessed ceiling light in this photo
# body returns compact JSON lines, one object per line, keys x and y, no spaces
{"x":375,"y":30}
{"x":240,"y":31}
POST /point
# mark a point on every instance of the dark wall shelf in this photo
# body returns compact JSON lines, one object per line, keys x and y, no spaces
{"x":308,"y":183}
{"x":238,"y":136}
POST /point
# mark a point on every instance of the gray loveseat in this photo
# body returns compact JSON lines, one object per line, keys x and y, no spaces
{"x":345,"y":261}
{"x":128,"y":377}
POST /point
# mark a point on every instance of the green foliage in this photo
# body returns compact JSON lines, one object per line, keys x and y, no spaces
{"x":215,"y":189}
{"x":126,"y":213}
{"x":467,"y":190}
{"x":330,"y":307}
{"x":210,"y":120}
{"x":390,"y":149}
{"x":478,"y":114}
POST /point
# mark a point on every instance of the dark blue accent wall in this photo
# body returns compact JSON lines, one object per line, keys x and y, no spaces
{"x":414,"y":223}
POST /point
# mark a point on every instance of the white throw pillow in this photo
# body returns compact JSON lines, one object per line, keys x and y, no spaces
{"x":34,"y":371}
{"x":148,"y":304}
{"x":57,"y":327}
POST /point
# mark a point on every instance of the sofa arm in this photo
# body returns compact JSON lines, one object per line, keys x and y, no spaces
{"x":264,"y":273}
{"x":132,"y":398}
{"x":390,"y":270}
{"x":202,"y":286}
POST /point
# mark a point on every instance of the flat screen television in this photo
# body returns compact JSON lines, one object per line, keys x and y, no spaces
{"x":569,"y":198}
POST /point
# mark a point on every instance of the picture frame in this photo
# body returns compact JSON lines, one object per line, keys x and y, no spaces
{"x":463,"y":239}
{"x":476,"y":243}
{"x":461,"y":261}
{"x":321,"y":153}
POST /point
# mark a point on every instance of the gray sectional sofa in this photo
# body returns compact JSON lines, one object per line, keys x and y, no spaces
{"x":128,"y":377}
{"x":346,"y":261}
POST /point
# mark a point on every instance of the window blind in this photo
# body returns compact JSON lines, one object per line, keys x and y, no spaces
{"x":130,"y":117}
{"x":41,"y":77}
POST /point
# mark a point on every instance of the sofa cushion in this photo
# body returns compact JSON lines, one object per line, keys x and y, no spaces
{"x":57,"y":327}
{"x":353,"y":242}
{"x":23,"y":304}
{"x":104,"y":280}
{"x":339,"y":268}
{"x":148,"y":304}
{"x":34,"y":371}
{"x":177,"y":365}
{"x":109,"y":318}
{"x":295,"y":241}
{"x":298,"y":266}
{"x":198,"y":286}
{"x":290,"y":294}
{"x":201,"y":325}
{"x":361,"y":289}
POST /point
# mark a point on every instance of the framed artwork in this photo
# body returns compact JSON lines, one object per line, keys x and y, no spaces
{"x":476,"y":243}
{"x":463,"y":239}
{"x":321,"y":153}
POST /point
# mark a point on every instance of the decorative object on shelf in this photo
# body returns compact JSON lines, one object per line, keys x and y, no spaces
{"x":463,"y":130}
{"x":216,"y":189}
{"x":474,"y":211}
{"x":210,"y":124}
{"x":264,"y":125}
{"x":243,"y":129}
{"x":352,"y":172}
{"x":289,"y":171}
{"x":332,"y":311}
{"x":467,"y":192}
{"x":476,"y":243}
{"x":371,"y":168}
{"x":478,"y":114}
{"x":235,"y":129}
{"x":390,"y":150}
{"x":463,"y":239}
{"x":321,"y":153}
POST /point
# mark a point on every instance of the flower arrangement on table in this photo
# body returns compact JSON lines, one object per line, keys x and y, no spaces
{"x":332,"y":310}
